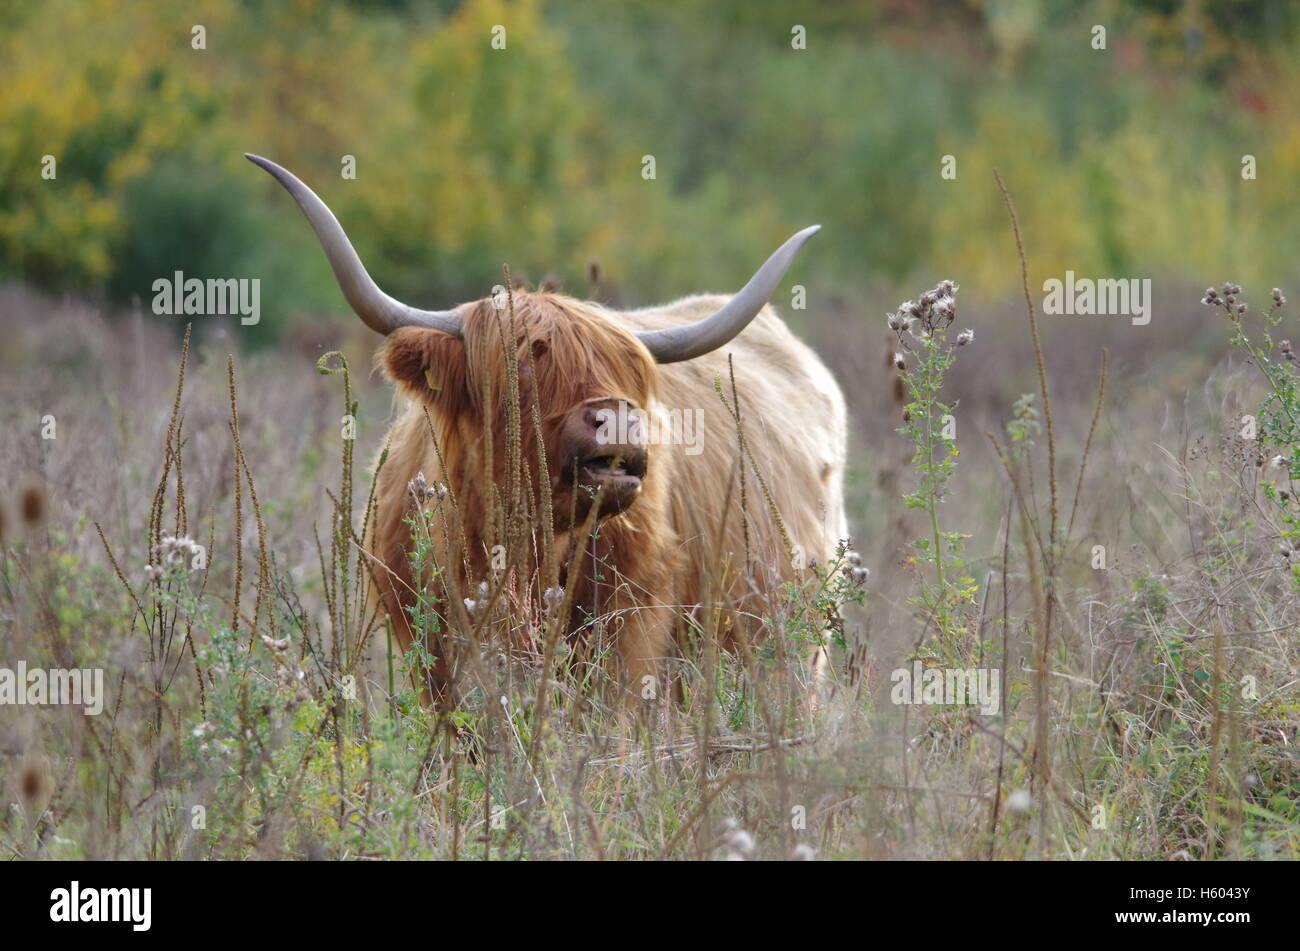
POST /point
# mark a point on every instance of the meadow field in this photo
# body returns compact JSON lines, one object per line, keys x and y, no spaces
{"x":1099,"y":508}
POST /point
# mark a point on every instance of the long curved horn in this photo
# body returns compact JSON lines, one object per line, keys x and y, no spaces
{"x":674,"y":344}
{"x":379,"y":311}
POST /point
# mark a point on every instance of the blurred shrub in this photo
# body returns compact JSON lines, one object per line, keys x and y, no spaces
{"x":206,"y":222}
{"x":1122,"y":160}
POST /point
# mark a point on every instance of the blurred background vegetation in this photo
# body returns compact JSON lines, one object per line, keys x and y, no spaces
{"x":1126,"y":162}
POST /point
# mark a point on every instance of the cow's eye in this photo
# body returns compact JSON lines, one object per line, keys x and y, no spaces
{"x":539,"y":349}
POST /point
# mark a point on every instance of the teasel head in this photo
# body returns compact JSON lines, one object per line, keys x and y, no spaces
{"x":33,"y":504}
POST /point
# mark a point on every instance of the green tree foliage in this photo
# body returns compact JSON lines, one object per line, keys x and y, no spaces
{"x":469,"y":156}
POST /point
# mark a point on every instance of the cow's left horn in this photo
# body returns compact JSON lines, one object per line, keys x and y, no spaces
{"x":379,"y":311}
{"x":674,"y":344}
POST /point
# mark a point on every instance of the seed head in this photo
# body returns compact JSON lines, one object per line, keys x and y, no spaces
{"x":740,"y":844}
{"x":1019,"y":801}
{"x":32,"y":508}
{"x":33,"y":783}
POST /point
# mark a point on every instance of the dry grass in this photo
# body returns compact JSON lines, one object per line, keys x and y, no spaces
{"x":228,"y":687}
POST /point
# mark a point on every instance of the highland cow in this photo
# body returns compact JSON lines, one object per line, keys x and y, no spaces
{"x":499,"y":456}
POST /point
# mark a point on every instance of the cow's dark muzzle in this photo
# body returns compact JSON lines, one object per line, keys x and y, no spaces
{"x":597,"y":466}
{"x":611,"y":473}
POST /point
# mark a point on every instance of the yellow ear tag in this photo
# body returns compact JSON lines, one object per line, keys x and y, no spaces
{"x":433,"y":384}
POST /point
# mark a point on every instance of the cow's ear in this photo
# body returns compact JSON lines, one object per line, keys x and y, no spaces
{"x":429,"y":365}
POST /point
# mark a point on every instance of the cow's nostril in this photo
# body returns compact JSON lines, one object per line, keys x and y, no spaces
{"x":615,"y":420}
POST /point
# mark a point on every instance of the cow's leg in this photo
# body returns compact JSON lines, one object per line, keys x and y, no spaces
{"x":818,"y":690}
{"x":643,"y":642}
{"x":434,"y":680}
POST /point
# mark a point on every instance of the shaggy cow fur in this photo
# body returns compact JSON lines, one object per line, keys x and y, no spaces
{"x":682,"y":542}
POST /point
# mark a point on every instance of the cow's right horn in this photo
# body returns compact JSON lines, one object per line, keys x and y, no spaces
{"x":379,"y":311}
{"x":673,"y":344}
